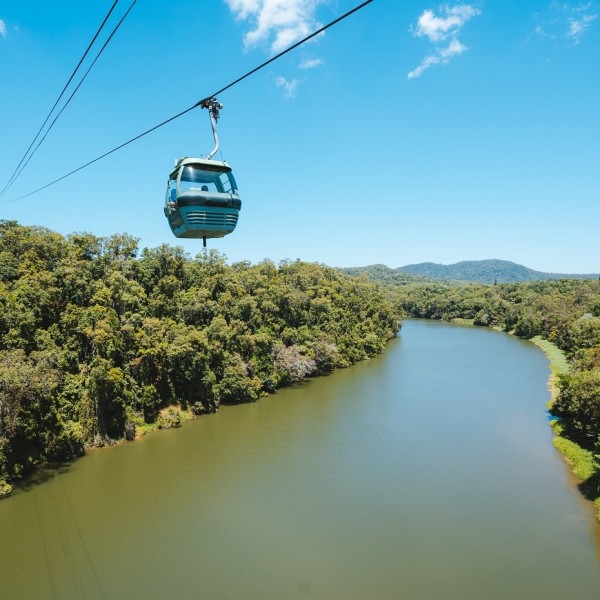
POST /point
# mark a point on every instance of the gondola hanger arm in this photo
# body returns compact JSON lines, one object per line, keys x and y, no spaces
{"x":214,"y":107}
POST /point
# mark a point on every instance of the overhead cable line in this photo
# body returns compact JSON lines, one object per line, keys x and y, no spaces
{"x":75,"y":90}
{"x":199,"y":103}
{"x":292,"y":47}
{"x":15,"y":174}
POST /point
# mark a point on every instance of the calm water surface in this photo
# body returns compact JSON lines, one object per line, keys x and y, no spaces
{"x":426,"y":473}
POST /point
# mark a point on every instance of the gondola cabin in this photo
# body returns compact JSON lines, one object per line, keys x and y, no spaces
{"x":202,"y":199}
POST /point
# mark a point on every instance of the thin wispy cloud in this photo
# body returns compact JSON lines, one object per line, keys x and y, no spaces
{"x":577,"y":27}
{"x":289,"y":87}
{"x":442,"y":30}
{"x":311,"y":63}
{"x":278,"y":23}
{"x":566,"y":21}
{"x":3,"y":31}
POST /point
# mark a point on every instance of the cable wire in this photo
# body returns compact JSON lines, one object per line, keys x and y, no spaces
{"x":15,"y":175}
{"x":187,"y":110}
{"x":292,"y":47}
{"x":74,"y":91}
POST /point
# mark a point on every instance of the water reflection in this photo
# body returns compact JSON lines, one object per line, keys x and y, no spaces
{"x":427,"y":472}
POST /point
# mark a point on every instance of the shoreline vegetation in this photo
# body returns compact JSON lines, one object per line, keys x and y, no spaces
{"x":562,"y":317}
{"x":580,"y":460}
{"x":100,"y":342}
{"x":558,"y":365}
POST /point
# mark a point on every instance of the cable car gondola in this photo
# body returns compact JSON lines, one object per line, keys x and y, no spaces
{"x":202,"y":199}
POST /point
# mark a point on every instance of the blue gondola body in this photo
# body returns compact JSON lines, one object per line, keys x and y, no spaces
{"x":202,"y":199}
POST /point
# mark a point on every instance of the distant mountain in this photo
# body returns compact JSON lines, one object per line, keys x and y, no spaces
{"x":474,"y":271}
{"x":486,"y":271}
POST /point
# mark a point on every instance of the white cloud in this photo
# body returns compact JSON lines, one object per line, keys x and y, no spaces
{"x":243,"y":8}
{"x":289,"y":87}
{"x":454,"y":48}
{"x":441,"y":28}
{"x":563,"y":20}
{"x":279,"y":23}
{"x":449,"y":24}
{"x":441,"y":57}
{"x":3,"y":32}
{"x":311,"y":63}
{"x":427,"y":62}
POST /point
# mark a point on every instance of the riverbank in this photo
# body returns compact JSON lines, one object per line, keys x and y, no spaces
{"x":581,"y":461}
{"x":558,"y":364}
{"x":169,"y":417}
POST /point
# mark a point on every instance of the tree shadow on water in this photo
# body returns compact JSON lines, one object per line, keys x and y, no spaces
{"x":590,"y":488}
{"x":43,"y":474}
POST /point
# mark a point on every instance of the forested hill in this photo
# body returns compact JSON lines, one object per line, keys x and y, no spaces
{"x":98,"y":341}
{"x":485,"y":271}
{"x":473,"y":271}
{"x":383,"y":274}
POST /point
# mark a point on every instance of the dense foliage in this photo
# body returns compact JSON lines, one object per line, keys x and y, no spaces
{"x":96,"y":341}
{"x":565,"y":312}
{"x":383,"y":275}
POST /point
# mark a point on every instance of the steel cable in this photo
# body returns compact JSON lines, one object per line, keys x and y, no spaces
{"x":15,"y":174}
{"x":187,"y":110}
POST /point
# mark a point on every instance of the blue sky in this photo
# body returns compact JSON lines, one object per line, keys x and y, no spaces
{"x":410,"y":132}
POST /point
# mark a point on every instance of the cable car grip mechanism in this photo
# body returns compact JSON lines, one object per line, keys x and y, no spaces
{"x":213,"y":106}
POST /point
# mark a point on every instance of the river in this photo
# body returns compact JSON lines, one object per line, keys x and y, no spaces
{"x":426,"y":473}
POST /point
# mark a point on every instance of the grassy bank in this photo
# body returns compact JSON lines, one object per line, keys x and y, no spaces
{"x":558,"y":364}
{"x":583,"y":463}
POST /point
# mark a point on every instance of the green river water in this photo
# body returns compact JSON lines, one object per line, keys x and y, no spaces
{"x":426,"y":473}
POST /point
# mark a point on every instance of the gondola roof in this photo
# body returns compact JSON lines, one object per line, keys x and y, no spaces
{"x":209,"y":165}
